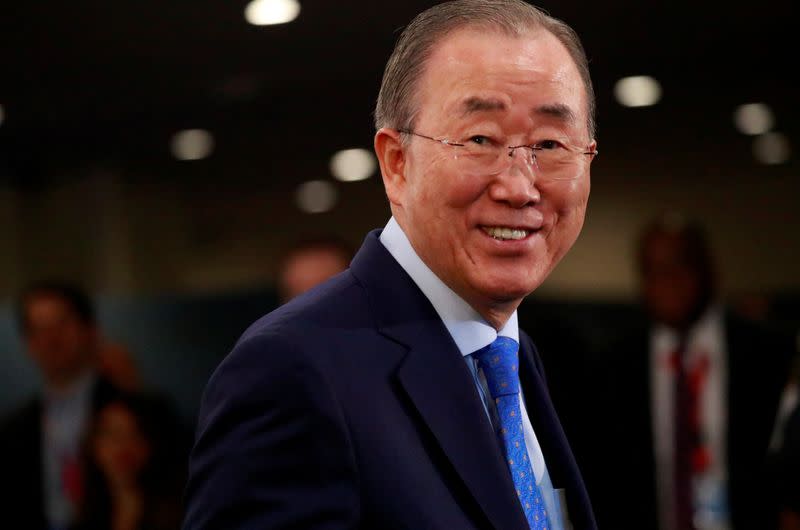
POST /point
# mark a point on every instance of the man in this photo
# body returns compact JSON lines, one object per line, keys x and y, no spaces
{"x":390,"y":397}
{"x":309,"y":263}
{"x":695,"y":395}
{"x":41,"y":444}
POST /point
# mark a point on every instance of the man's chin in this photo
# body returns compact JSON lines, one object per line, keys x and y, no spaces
{"x":510,"y":286}
{"x":503,"y":294}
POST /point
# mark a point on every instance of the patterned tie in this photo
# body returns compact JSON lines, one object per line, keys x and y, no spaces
{"x":686,"y":440}
{"x":499,"y":361}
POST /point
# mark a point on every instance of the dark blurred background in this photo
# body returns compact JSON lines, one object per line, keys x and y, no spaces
{"x":181,"y":254}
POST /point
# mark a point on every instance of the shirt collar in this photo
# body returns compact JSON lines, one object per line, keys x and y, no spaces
{"x":705,"y":336}
{"x":469,"y":329}
{"x":77,"y":392}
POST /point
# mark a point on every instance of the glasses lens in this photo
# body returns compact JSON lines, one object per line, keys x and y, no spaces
{"x":556,"y":163}
{"x":549,"y":160}
{"x":481,"y":151}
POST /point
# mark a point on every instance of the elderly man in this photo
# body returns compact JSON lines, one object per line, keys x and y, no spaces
{"x":401,"y":394}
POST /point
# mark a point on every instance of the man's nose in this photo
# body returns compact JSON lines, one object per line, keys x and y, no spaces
{"x":517,"y":184}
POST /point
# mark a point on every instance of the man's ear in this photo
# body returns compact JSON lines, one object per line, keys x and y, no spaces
{"x":392,"y":159}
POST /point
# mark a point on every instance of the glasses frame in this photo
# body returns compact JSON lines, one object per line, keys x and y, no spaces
{"x":511,"y":148}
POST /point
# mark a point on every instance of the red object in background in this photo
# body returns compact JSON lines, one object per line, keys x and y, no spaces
{"x":72,"y":478}
{"x":701,"y":459}
{"x":697,"y":377}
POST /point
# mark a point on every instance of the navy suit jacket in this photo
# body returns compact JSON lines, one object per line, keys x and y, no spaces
{"x":352,"y":407}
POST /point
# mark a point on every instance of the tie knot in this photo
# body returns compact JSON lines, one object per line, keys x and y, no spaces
{"x":499,"y":362}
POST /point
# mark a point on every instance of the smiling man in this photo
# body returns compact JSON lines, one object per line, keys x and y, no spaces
{"x":401,"y":393}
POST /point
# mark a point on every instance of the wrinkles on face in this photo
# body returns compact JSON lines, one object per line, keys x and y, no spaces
{"x":493,"y":83}
{"x":516,"y":74}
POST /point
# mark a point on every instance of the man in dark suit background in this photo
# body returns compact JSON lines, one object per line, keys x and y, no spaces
{"x":401,"y":394}
{"x":41,"y":443}
{"x":693,"y":395}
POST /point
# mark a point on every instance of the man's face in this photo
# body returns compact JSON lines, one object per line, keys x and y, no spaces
{"x":516,"y":91}
{"x":57,"y":339}
{"x":119,"y":447}
{"x":675,"y":290}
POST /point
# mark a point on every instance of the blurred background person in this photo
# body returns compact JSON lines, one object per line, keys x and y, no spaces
{"x":40,"y":442}
{"x":309,"y":263}
{"x":785,"y":453}
{"x":134,"y":462}
{"x":694,"y":396}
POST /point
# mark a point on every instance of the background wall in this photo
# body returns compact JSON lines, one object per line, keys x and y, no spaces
{"x":123,"y":235}
{"x":181,"y":254}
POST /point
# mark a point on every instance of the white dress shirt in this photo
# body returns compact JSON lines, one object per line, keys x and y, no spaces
{"x":705,"y":344}
{"x":65,"y":418}
{"x":470,"y":332}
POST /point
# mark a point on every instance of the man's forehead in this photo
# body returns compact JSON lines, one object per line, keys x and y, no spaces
{"x":48,"y":304}
{"x":472,"y":104}
{"x":467,"y":64}
{"x":475,"y":47}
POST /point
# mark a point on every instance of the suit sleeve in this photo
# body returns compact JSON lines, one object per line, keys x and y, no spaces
{"x":272,"y":448}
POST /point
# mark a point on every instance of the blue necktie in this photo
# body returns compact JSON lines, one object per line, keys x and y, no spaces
{"x":499,"y":363}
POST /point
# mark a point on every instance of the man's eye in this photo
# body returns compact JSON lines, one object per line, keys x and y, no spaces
{"x":479,"y":139}
{"x":547,"y":144}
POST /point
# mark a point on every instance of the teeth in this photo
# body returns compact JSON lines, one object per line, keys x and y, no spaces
{"x":499,"y":232}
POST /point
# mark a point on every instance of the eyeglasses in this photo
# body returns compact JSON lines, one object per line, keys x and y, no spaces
{"x":552,"y":159}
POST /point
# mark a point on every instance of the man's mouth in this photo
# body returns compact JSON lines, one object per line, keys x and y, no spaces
{"x":504,"y":233}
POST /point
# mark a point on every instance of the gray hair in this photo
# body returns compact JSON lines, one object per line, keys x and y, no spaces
{"x":395,"y":107}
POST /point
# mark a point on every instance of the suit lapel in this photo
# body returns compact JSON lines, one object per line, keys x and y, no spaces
{"x":436,"y":380}
{"x":441,"y":388}
{"x":30,"y":484}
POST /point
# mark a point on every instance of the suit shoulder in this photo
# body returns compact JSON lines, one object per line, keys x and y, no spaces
{"x":298,"y":337}
{"x":748,"y":329}
{"x":775,"y":347}
{"x":338,"y":301}
{"x":21,"y":413}
{"x":19,"y":422}
{"x":751,"y":334}
{"x":324,"y":338}
{"x":260,"y":356}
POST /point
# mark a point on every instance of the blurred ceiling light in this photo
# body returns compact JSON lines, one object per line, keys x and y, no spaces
{"x":316,"y":196}
{"x":267,"y":12}
{"x":353,"y":164}
{"x":753,"y":118}
{"x":192,"y":144}
{"x":637,"y":91}
{"x":771,"y":148}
